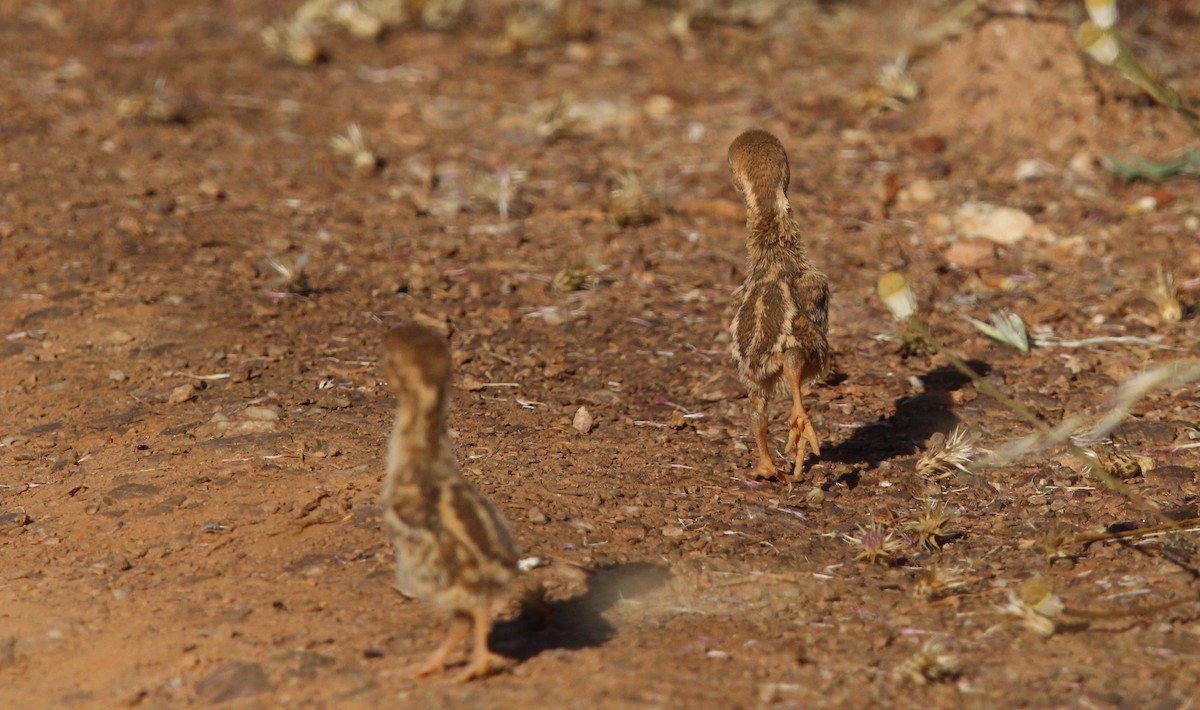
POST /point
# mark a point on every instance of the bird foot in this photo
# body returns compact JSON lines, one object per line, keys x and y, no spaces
{"x":767,"y":471}
{"x":802,"y":436}
{"x":482,"y":665}
{"x":426,"y":668}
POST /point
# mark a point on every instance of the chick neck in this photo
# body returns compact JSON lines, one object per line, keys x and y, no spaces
{"x":418,"y":436}
{"x":774,"y":234}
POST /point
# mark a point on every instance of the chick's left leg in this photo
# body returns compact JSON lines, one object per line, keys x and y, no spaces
{"x":459,"y":625}
{"x":801,"y":435}
{"x":765,"y":468}
{"x":483,"y":661}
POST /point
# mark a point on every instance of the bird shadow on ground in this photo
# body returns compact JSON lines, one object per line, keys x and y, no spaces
{"x":914,"y":419}
{"x":576,"y":622}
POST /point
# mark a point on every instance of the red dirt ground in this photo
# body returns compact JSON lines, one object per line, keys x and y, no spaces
{"x":192,"y":445}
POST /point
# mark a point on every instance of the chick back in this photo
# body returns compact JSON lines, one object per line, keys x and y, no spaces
{"x":453,"y":548}
{"x":783,"y":313}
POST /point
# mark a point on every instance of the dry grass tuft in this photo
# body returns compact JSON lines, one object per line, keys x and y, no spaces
{"x":292,"y":275}
{"x":577,"y":276}
{"x":893,"y":88}
{"x":157,"y":105}
{"x":1166,"y":295}
{"x":292,"y":41}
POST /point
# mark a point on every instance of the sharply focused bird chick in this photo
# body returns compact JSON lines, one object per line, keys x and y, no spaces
{"x":453,"y":548}
{"x":779,"y":329}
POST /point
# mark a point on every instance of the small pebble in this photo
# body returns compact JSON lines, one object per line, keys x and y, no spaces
{"x":583,"y":421}
{"x":181,"y":394}
{"x":261,"y":414}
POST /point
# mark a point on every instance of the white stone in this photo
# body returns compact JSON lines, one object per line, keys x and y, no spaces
{"x":1003,"y":225}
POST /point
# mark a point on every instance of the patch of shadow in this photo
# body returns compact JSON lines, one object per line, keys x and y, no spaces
{"x":577,"y":622}
{"x":914,"y":420}
{"x":249,"y":441}
{"x":308,"y":561}
{"x":303,"y":663}
{"x":230,"y":680}
{"x":168,"y":505}
{"x":119,"y":422}
{"x":43,"y":429}
{"x":9,"y":348}
{"x":161,"y":348}
{"x":127,"y":491}
{"x":49,"y":312}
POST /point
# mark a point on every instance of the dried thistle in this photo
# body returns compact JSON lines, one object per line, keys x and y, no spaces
{"x":1117,"y":463}
{"x":438,"y":15}
{"x":630,"y":205}
{"x":946,"y":455}
{"x":575,"y":21}
{"x":293,"y":277}
{"x":892,"y":88}
{"x":936,"y":583}
{"x":1006,"y":327}
{"x":293,"y":41}
{"x":312,"y":11}
{"x":358,"y":20}
{"x":877,"y":543}
{"x":1179,"y":547}
{"x":577,"y":276}
{"x":929,"y":526}
{"x":1055,"y":542}
{"x":390,"y":12}
{"x":1035,"y":604}
{"x":353,"y":145}
{"x":1166,"y":295}
{"x":501,"y":191}
{"x":555,"y":118}
{"x":555,"y":315}
{"x":527,"y":28}
{"x":158,"y":105}
{"x":538,"y":24}
{"x":47,"y":16}
{"x":932,"y":664}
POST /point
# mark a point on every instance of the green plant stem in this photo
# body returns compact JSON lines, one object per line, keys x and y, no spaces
{"x":1095,"y":467}
{"x":1135,"y":71}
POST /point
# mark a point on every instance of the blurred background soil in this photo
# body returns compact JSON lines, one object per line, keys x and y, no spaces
{"x":197,"y":275}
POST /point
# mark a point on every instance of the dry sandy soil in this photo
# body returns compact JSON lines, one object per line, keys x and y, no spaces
{"x":192,"y":442}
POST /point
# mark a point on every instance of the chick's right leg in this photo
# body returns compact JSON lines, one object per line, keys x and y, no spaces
{"x":483,"y":661}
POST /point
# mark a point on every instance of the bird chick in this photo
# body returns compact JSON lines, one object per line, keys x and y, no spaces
{"x":779,"y":330}
{"x":453,"y":548}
